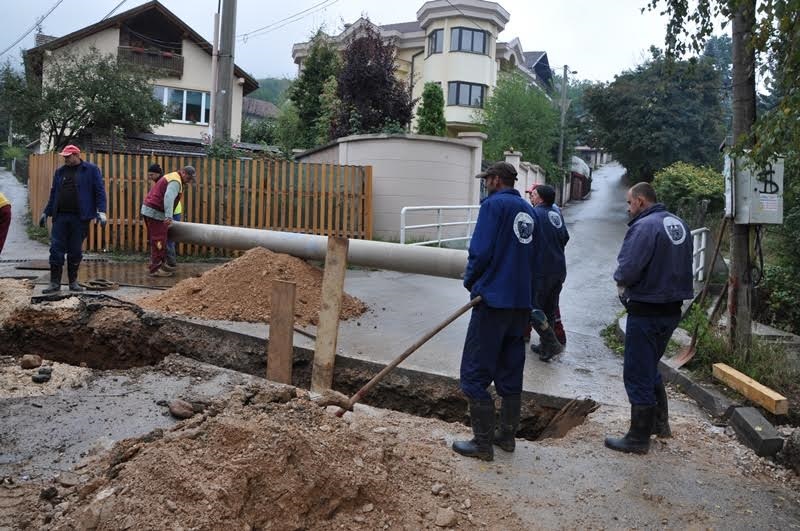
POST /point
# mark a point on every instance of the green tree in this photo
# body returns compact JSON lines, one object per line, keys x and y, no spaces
{"x":90,"y":92}
{"x":322,"y":62}
{"x":521,"y":116}
{"x":289,"y":131}
{"x":373,"y":98}
{"x":430,"y":116}
{"x":661,"y":112}
{"x":272,"y":89}
{"x":329,"y":110}
{"x":259,"y":131}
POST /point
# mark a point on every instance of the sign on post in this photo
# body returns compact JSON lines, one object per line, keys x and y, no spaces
{"x":754,"y":195}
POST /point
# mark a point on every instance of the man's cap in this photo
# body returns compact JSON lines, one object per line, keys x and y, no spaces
{"x":189,"y":170}
{"x":154,"y":168}
{"x":504,"y":170}
{"x":71,"y":149}
{"x":546,"y":192}
{"x":530,"y":189}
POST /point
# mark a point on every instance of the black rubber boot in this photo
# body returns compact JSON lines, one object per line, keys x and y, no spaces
{"x":661,"y":428}
{"x":637,"y":440}
{"x":505,"y":434}
{"x":55,"y":279}
{"x":549,"y":347}
{"x":72,"y":276}
{"x":481,"y":415}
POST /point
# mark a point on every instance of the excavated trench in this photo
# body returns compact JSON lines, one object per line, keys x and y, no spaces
{"x":105,"y":333}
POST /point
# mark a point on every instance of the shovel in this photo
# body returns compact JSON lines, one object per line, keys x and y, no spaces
{"x":688,"y":353}
{"x":410,"y":350}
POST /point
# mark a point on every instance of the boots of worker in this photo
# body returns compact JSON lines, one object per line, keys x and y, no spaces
{"x":661,"y":428}
{"x":72,"y":276}
{"x":637,"y":440}
{"x":55,"y":279}
{"x":549,"y":346}
{"x":505,"y":434}
{"x":481,"y":414}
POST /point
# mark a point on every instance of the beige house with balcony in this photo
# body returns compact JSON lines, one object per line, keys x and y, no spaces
{"x":150,"y":35}
{"x":453,"y":43}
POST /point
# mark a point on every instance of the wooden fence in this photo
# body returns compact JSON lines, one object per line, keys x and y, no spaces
{"x":325,"y":199}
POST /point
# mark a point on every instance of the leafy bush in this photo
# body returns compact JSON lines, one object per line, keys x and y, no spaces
{"x":779,"y":293}
{"x":682,"y":187}
{"x":259,"y":131}
{"x":430,"y":116}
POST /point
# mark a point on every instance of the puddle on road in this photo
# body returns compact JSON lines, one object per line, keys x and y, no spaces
{"x":123,"y":273}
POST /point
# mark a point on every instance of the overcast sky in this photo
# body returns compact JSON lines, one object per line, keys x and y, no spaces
{"x":598,"y":38}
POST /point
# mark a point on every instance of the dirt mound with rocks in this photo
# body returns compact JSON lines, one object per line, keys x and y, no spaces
{"x":240,"y":290}
{"x":267,"y":457}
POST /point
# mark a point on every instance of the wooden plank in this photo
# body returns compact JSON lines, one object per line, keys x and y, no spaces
{"x":332,"y":169}
{"x":354,"y":195}
{"x":307,"y":205}
{"x":315,"y":200}
{"x":237,"y":193}
{"x":206,"y":206}
{"x":299,"y":198}
{"x":323,"y":200}
{"x":283,"y":196}
{"x":281,"y":332}
{"x":752,"y":390}
{"x":109,"y":206}
{"x":128,"y":187}
{"x":328,"y":328}
{"x":368,"y":203}
{"x":252,"y":190}
{"x":260,"y":198}
{"x":344,"y":233}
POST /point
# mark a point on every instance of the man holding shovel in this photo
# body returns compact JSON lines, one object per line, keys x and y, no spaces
{"x":654,"y":277}
{"x":500,"y":269}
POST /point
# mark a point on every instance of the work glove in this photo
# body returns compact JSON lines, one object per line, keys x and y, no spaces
{"x":102,"y":219}
{"x":43,"y":220}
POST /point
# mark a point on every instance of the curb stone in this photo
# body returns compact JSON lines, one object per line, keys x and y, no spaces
{"x":756,"y":432}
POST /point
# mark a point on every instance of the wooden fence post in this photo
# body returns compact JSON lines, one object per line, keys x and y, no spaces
{"x":281,"y":332}
{"x":328,"y":327}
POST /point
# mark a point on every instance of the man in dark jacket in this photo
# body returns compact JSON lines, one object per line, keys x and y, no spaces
{"x":551,"y":270}
{"x":654,"y":277}
{"x":77,"y":196}
{"x":500,"y":267}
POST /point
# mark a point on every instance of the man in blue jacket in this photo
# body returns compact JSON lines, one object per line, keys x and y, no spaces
{"x":77,"y":196}
{"x":500,"y":269}
{"x":551,"y":270}
{"x":654,"y":277}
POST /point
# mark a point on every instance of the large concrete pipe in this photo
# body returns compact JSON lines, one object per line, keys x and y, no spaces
{"x":434,"y":261}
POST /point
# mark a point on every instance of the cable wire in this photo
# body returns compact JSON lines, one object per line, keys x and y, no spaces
{"x":33,"y":27}
{"x":112,"y":11}
{"x":286,"y":21}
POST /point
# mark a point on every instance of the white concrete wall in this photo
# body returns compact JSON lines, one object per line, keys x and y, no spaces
{"x":410,"y":170}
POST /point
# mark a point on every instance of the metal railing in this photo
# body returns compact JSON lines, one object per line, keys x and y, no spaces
{"x":699,"y":244}
{"x":439,"y":225}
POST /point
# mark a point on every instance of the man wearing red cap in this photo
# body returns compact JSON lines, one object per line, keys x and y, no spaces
{"x":77,"y":196}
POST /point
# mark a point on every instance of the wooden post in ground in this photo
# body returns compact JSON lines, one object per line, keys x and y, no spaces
{"x":281,"y":332}
{"x":328,"y":326}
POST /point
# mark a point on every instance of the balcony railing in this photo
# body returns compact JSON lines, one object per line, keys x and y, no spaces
{"x":167,"y":64}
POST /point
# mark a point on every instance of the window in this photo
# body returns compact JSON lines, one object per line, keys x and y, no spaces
{"x":468,"y":40}
{"x":184,"y":105}
{"x":435,"y":41}
{"x":465,"y":94}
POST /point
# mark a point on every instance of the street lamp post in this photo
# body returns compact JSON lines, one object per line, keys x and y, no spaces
{"x":564,"y":185}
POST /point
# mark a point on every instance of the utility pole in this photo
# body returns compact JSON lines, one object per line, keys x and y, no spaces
{"x":223,"y":102}
{"x":744,"y":116}
{"x":214,"y":70}
{"x":565,"y":184}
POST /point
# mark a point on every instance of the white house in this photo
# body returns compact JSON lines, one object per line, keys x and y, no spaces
{"x":453,"y":43}
{"x":152,"y":36}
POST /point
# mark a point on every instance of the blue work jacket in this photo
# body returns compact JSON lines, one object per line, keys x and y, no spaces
{"x":90,"y":187}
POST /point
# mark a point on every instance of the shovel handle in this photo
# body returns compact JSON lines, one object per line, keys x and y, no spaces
{"x":410,"y":350}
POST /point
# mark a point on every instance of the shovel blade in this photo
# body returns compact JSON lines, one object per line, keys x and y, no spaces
{"x":684,"y":356}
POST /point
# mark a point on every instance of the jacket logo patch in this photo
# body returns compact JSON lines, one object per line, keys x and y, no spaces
{"x":523,"y":227}
{"x":555,"y":219}
{"x":675,"y":230}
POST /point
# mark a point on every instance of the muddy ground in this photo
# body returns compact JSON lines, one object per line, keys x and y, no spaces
{"x":97,"y":448}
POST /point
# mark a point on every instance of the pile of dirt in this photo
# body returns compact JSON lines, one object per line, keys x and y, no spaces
{"x":267,"y":457}
{"x":240,"y":290}
{"x":14,"y":294}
